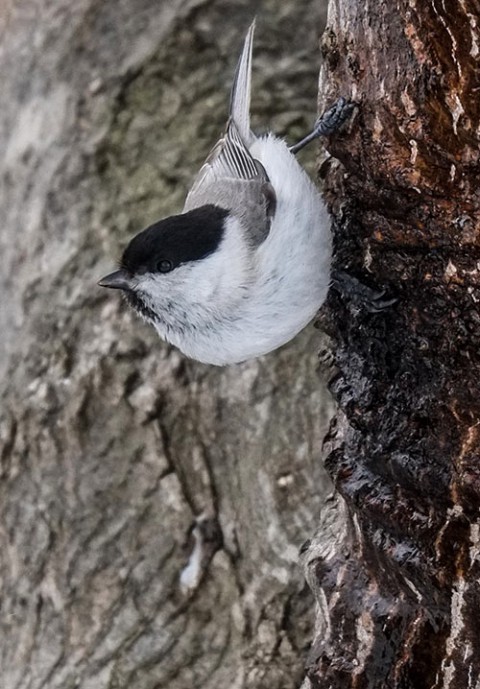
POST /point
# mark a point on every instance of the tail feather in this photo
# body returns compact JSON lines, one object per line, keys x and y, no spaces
{"x":240,"y":96}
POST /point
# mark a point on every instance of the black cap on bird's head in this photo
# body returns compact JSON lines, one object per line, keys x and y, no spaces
{"x":169,"y":243}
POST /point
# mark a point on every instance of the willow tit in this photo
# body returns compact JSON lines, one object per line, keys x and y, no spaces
{"x":246,"y":265}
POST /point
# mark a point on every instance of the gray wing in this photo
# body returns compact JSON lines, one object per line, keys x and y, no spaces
{"x":231,"y":178}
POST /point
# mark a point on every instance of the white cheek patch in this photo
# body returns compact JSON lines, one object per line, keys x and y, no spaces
{"x":162,"y":287}
{"x":206,"y":282}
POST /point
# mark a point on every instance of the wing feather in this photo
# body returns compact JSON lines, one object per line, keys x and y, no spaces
{"x":231,"y":177}
{"x":240,"y":95}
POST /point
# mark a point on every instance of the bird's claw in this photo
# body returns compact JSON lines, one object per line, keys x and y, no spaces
{"x":328,"y":123}
{"x":333,"y":118}
{"x":360,"y":294}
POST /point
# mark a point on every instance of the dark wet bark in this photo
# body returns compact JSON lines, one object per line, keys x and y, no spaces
{"x":398,"y":576}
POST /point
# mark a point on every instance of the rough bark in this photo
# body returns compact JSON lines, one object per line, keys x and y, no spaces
{"x":151,"y":509}
{"x":397,"y":562}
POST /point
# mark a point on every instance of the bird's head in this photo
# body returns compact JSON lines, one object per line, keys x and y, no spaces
{"x":185,"y":270}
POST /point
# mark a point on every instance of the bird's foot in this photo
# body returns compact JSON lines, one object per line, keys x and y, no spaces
{"x":359,"y":293}
{"x":328,"y":123}
{"x":333,"y":118}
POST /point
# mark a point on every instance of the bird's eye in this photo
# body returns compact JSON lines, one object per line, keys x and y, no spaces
{"x":164,"y":266}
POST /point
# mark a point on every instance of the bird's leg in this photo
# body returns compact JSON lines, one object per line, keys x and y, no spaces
{"x":360,"y":294}
{"x":331,"y":120}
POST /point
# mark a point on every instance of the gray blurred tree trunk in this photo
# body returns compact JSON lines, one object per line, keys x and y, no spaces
{"x":396,"y":564}
{"x":151,"y":510}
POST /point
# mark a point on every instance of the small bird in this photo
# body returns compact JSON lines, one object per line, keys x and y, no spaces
{"x":246,"y":265}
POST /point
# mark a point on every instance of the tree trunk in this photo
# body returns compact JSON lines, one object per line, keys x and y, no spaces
{"x":396,"y":564}
{"x":151,"y":509}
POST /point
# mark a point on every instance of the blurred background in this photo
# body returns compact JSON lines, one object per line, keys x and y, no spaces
{"x":123,"y":465}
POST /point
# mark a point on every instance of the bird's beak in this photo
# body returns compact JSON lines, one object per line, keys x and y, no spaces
{"x":120,"y":279}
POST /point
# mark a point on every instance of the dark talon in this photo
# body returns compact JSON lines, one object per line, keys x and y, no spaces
{"x":328,"y":123}
{"x":360,"y":294}
{"x":333,"y":118}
